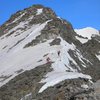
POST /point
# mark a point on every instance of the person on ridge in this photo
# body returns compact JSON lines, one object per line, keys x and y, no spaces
{"x":48,"y":60}
{"x":58,"y":53}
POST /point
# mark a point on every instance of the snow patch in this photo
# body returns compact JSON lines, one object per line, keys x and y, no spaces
{"x":27,"y":97}
{"x":19,"y":17}
{"x":16,"y":19}
{"x":54,"y":78}
{"x":98,"y":56}
{"x":81,"y":58}
{"x":87,"y":33}
{"x":82,"y":40}
{"x":39,"y":11}
{"x":85,"y":86}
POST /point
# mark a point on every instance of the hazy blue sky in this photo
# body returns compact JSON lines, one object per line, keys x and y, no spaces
{"x":81,"y":13}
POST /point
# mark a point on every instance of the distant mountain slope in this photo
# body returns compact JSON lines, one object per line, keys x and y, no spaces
{"x":86,"y":34}
{"x":43,"y":58}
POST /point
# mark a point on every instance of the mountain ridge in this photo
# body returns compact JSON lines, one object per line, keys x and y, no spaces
{"x":41,"y":55}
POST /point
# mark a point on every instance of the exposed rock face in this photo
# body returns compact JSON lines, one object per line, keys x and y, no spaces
{"x":43,"y":58}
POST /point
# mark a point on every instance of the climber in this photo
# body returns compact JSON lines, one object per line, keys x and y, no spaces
{"x":58,"y":53}
{"x":48,"y":60}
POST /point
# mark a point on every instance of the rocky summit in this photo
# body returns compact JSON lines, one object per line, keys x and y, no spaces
{"x":43,"y":58}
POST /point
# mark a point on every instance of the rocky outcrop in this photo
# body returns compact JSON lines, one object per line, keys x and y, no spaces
{"x":28,"y":82}
{"x":28,"y":14}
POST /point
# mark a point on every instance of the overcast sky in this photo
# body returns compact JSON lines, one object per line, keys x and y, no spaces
{"x":81,"y":13}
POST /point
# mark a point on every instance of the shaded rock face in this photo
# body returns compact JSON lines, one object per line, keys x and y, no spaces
{"x":52,"y":30}
{"x":55,"y":42}
{"x":26,"y":85}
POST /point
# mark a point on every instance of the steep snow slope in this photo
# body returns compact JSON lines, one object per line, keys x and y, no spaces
{"x":86,"y":34}
{"x":61,"y":67}
{"x":15,"y":59}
